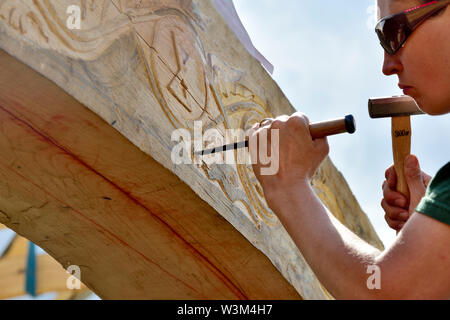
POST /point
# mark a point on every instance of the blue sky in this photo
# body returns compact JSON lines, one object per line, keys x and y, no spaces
{"x":328,"y":63}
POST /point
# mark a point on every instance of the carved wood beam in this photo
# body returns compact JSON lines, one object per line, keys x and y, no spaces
{"x":93,"y":182}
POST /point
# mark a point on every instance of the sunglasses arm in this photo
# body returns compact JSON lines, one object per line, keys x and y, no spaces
{"x":416,"y":17}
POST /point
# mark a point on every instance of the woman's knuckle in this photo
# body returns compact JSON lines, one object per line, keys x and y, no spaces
{"x":390,"y":196}
{"x":393,"y":215}
{"x":389,"y":221}
{"x":388,"y":172}
{"x":294,"y":119}
{"x":301,"y":115}
{"x":277,"y":124}
{"x":299,"y":118}
{"x":413,"y":173}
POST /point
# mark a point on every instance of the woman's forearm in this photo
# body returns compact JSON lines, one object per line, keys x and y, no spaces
{"x":338,"y":257}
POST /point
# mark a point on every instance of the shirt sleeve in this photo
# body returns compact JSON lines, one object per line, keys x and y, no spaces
{"x":436,"y":203}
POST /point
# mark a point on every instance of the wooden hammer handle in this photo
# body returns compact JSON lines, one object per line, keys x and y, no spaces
{"x":401,"y":146}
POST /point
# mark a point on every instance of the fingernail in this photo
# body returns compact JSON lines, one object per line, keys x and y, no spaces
{"x":403,"y":216}
{"x":400,"y":203}
{"x":411,"y":162}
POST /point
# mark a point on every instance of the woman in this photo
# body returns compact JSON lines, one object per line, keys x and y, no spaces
{"x":416,"y":265}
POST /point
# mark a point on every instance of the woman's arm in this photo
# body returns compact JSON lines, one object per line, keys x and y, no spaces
{"x":415,"y":266}
{"x":337,"y":256}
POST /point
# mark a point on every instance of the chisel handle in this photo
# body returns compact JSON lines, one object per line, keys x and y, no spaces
{"x":332,"y":127}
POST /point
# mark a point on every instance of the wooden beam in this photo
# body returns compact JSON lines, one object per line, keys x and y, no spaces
{"x":97,"y":199}
{"x":94,"y":183}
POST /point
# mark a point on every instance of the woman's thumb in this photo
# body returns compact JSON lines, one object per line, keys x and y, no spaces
{"x":413,"y":176}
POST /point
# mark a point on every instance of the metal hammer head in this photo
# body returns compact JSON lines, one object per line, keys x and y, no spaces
{"x":398,"y":106}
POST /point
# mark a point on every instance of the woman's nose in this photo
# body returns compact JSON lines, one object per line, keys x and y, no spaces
{"x":392,"y":64}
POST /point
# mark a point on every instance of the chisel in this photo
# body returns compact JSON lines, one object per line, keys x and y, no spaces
{"x":318,"y":130}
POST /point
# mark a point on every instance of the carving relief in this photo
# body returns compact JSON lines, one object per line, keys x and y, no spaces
{"x":45,"y":22}
{"x":181,"y":78}
{"x":189,"y":84}
{"x":176,"y":68}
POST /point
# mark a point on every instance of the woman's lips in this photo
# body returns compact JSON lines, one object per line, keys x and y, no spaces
{"x":406,"y":89}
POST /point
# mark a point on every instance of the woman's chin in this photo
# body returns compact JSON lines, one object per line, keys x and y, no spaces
{"x":433,"y":109}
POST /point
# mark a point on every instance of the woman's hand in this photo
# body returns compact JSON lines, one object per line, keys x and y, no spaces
{"x":397,"y":207}
{"x":298,"y":156}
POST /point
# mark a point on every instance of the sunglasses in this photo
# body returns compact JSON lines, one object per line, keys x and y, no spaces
{"x":394,"y":30}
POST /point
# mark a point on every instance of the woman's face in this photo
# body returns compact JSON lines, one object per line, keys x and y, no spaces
{"x":424,"y":62}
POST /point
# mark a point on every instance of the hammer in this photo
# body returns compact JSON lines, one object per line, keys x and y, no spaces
{"x":400,"y":109}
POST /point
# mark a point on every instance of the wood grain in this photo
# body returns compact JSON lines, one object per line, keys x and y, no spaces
{"x":401,"y":148}
{"x":98,"y":199}
{"x":103,"y":181}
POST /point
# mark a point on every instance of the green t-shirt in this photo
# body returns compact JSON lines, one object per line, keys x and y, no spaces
{"x":436,"y":203}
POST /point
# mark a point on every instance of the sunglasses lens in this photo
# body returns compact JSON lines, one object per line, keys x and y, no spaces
{"x":391,"y":33}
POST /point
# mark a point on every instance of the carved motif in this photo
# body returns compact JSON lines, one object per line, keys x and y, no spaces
{"x":21,"y":19}
{"x":44,"y":21}
{"x":189,"y":84}
{"x":187,"y":92}
{"x":178,"y":73}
